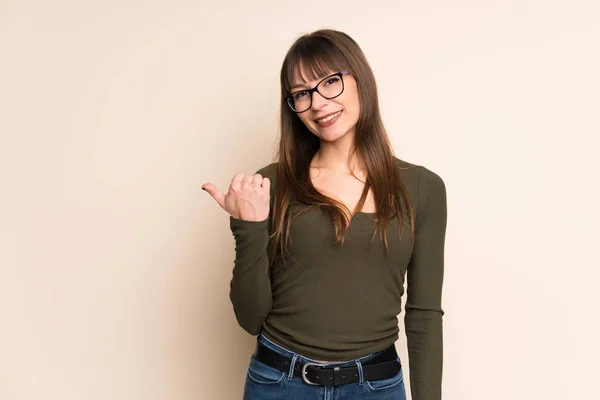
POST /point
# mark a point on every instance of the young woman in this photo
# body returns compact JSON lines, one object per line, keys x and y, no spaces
{"x":325,"y":237}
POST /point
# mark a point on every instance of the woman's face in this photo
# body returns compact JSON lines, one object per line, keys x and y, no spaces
{"x":345,"y":108}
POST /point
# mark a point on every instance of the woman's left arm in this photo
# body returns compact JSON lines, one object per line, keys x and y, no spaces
{"x":423,"y":310}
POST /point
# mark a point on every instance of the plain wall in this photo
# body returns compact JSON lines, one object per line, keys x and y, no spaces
{"x":115,"y":265}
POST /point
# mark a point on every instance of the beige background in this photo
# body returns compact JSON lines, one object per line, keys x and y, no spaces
{"x":115,"y":265}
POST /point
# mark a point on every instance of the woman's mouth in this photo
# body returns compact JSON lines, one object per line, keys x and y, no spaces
{"x":329,"y":119}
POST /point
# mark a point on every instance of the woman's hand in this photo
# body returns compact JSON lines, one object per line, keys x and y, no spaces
{"x":247,"y":198}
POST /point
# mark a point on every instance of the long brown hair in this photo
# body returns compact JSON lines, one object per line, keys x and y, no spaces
{"x":320,"y":53}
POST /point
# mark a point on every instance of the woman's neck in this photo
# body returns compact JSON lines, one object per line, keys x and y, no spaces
{"x":337,"y":156}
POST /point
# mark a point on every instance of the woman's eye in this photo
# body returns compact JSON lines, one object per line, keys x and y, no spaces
{"x":332,"y":81}
{"x":299,"y":95}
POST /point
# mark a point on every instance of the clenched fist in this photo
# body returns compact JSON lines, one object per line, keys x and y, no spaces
{"x":247,"y":198}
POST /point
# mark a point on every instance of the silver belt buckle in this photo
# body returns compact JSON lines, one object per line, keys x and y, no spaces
{"x":304,"y":378}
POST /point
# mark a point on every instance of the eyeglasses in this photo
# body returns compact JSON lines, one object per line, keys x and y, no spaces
{"x":330,"y":88}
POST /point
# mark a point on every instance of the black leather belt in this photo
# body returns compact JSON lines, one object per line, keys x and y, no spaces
{"x":382,"y":366}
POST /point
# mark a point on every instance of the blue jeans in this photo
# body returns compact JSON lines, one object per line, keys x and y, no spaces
{"x":266,"y":383}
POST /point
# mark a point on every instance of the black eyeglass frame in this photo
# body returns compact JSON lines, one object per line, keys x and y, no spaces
{"x":289,"y":99}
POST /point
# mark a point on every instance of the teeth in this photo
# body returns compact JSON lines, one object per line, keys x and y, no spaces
{"x":329,"y":118}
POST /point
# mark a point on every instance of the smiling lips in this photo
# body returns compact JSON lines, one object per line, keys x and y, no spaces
{"x":328,"y":119}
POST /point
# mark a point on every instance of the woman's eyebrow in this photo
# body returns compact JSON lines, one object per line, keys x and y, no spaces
{"x":302,"y":85}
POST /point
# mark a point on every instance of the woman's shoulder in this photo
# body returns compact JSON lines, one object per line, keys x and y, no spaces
{"x":419,"y":177}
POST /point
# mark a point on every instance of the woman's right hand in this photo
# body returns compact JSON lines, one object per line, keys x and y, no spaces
{"x":247,"y":197}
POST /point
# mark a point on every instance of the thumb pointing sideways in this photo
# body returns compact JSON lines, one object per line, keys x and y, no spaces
{"x":215,"y":193}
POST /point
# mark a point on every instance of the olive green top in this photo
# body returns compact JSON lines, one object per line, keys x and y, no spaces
{"x":340,"y":302}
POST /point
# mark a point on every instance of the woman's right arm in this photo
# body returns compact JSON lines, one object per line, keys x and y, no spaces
{"x":248,"y":204}
{"x":250,"y":289}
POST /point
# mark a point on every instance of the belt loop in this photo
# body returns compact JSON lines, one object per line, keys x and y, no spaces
{"x":337,"y":376}
{"x":292,"y":365}
{"x":360,"y":372}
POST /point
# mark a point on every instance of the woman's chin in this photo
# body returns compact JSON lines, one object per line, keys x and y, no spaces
{"x":331,"y":135}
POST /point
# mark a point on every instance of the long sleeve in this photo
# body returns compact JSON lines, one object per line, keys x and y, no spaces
{"x":250,"y":287}
{"x":423,"y":310}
